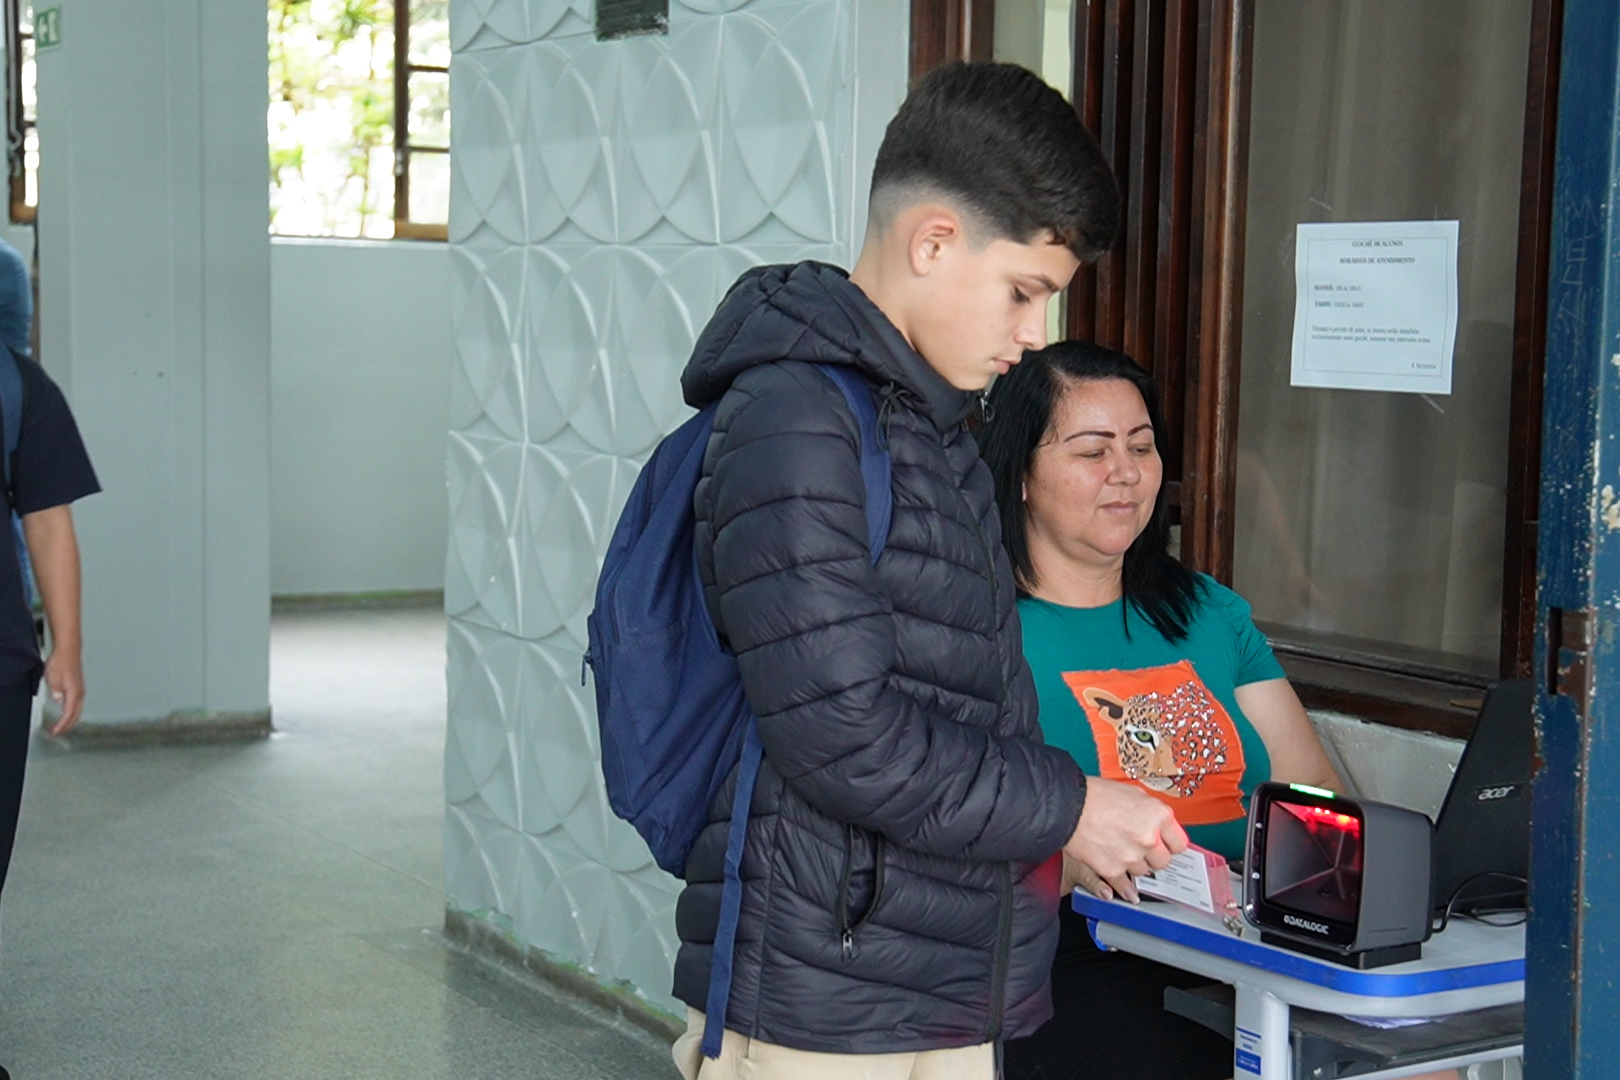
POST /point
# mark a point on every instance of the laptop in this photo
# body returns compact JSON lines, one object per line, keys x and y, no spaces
{"x":1482,"y":836}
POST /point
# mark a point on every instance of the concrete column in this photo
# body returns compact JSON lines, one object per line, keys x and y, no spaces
{"x":154,"y":307}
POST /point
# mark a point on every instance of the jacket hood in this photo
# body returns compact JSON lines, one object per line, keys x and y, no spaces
{"x":812,"y":312}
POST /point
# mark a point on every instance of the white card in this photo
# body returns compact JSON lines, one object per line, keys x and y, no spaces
{"x":1185,"y":880}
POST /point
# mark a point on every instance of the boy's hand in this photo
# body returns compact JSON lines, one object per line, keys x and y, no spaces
{"x":64,"y":679}
{"x":1123,"y":832}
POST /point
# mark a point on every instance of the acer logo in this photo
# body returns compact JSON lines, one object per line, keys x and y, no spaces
{"x":1305,"y":924}
{"x":1489,"y":794}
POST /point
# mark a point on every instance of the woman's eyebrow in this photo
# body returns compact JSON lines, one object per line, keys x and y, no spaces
{"x":1106,"y":434}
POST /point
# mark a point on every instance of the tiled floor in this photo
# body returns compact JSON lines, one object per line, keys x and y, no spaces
{"x":272,"y":910}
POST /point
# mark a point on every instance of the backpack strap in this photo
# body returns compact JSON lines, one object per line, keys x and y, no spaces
{"x":877,"y":476}
{"x":11,"y":413}
{"x":877,"y":468}
{"x":725,"y":937}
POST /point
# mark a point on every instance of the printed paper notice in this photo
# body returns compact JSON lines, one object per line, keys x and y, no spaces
{"x":1376,"y":305}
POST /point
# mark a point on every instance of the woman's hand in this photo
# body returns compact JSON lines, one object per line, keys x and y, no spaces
{"x":1077,"y":875}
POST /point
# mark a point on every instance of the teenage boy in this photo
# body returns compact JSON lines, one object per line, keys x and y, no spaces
{"x":900,"y":875}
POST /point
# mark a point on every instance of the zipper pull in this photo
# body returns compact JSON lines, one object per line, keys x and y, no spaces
{"x":584,"y":664}
{"x":849,"y":943}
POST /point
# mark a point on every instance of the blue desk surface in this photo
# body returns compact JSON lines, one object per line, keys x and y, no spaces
{"x":1466,"y":955}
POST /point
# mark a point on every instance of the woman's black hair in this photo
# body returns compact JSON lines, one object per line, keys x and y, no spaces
{"x":1021,"y":406}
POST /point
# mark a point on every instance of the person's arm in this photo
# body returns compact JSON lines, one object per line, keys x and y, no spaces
{"x":1296,"y":752}
{"x":814,"y":632}
{"x":54,"y":550}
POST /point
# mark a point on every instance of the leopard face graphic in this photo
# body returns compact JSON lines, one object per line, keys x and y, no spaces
{"x":1167,"y":742}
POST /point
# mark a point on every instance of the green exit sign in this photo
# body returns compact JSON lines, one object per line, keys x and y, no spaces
{"x":47,"y":28}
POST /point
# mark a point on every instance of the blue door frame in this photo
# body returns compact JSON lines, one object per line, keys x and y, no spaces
{"x":1572,"y":990}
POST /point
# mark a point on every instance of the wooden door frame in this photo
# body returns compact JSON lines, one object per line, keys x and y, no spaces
{"x":943,"y":30}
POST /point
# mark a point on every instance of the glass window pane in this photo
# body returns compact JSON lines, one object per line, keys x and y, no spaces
{"x":331,"y":118}
{"x":1377,"y":518}
{"x":31,"y":167}
{"x":430,"y":109}
{"x":1039,"y":34}
{"x":30,"y":101}
{"x":430,"y":189}
{"x":430,"y":32}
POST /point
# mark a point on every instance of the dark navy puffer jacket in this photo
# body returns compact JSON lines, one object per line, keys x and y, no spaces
{"x":900,"y":891}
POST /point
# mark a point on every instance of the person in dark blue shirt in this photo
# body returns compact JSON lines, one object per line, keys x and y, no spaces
{"x":16,"y":300}
{"x":50,"y":470}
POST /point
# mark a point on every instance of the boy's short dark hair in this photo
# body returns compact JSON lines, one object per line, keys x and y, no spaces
{"x":1004,"y":144}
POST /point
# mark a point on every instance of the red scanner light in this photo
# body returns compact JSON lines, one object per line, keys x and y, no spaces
{"x":1317,"y":817}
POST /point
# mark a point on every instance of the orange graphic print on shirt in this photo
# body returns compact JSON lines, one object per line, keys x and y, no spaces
{"x":1163,"y":729}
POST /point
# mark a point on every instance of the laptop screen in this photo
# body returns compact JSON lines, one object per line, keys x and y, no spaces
{"x":1482,"y":837}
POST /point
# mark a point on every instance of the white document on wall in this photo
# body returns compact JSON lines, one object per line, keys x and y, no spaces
{"x":1375,"y":305}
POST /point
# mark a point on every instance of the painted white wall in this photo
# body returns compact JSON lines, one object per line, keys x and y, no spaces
{"x":360,"y":379}
{"x":605,"y":196}
{"x":1408,"y":768}
{"x":155,"y":320}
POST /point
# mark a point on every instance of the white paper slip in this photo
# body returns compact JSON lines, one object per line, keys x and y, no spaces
{"x":1375,"y":305}
{"x":1185,"y":880}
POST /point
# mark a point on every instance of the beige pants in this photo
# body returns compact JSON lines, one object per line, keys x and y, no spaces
{"x":742,"y":1058}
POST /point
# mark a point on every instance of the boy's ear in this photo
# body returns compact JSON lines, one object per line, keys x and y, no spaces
{"x":935,"y":230}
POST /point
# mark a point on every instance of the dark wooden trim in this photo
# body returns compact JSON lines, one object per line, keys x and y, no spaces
{"x":1530,"y":341}
{"x":17,"y":125}
{"x":402,"y":115}
{"x":1142,"y":176}
{"x":1114,"y":136}
{"x":1403,"y":701}
{"x":1086,"y":93}
{"x":414,"y":230}
{"x":1170,"y":316}
{"x":944,"y":30}
{"x":1163,"y":85}
{"x":1220,"y":178}
{"x":1419,"y":663}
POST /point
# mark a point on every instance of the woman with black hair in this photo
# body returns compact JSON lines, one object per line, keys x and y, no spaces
{"x":1146,"y":673}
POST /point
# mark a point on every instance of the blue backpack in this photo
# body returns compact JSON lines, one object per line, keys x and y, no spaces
{"x":12,"y":402}
{"x":669,"y":697}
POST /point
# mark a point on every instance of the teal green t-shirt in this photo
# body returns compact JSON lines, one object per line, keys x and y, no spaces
{"x":1164,"y":715}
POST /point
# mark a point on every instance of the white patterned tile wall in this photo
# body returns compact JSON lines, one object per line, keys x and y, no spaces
{"x":605,"y":195}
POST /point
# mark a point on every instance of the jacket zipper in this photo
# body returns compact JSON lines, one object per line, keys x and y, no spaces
{"x":848,"y":930}
{"x":846,"y":933}
{"x":990,"y":573}
{"x":998,"y":978}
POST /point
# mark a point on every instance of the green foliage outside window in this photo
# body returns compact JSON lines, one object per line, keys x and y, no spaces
{"x":332,"y":118}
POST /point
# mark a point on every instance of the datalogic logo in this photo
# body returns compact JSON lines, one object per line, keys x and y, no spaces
{"x":1305,"y":924}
